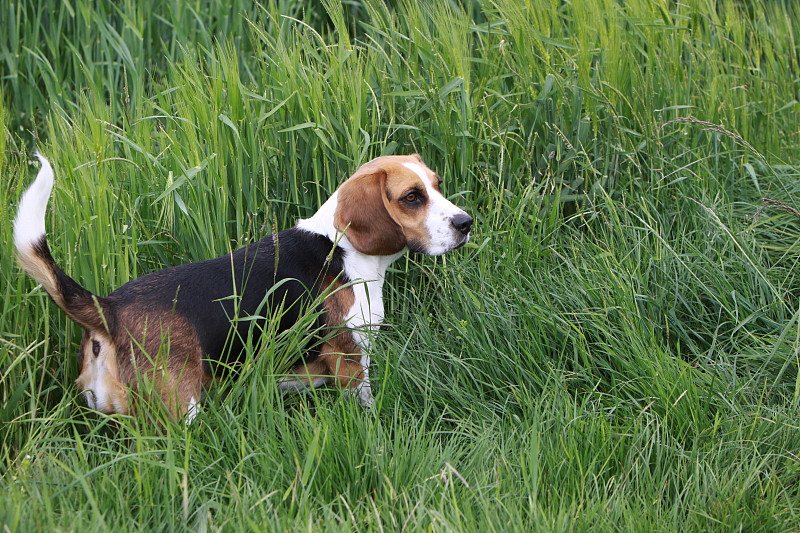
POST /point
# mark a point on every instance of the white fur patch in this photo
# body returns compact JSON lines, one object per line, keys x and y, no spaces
{"x":29,"y":224}
{"x":96,"y":391}
{"x":191,"y":411}
{"x":364,"y":388}
{"x":321,"y":222}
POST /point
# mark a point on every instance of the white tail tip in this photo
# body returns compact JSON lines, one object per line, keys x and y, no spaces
{"x":29,"y":224}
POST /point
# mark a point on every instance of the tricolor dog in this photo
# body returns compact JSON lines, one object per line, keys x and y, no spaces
{"x":179,"y":325}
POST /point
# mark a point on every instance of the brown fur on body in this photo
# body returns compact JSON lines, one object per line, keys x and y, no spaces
{"x":134,"y":338}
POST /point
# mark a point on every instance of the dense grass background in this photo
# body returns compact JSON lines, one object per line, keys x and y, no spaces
{"x":616,"y":350}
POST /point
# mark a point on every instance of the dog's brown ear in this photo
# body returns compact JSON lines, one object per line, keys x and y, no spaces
{"x":362,"y":212}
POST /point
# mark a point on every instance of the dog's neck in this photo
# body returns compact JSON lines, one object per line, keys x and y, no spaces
{"x":358,"y":266}
{"x":366,"y":271}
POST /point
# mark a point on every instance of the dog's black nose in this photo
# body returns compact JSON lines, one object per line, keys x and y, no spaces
{"x":462,"y":223}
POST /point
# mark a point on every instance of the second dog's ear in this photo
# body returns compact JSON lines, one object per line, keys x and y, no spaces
{"x":362,"y":213}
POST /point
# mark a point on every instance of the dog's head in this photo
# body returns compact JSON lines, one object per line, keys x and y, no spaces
{"x":394,"y":202}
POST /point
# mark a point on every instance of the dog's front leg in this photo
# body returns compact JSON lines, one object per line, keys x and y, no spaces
{"x":349,"y":371}
{"x":304,"y":375}
{"x":364,"y":388}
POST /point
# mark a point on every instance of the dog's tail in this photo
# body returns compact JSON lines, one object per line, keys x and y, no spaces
{"x":34,"y":255}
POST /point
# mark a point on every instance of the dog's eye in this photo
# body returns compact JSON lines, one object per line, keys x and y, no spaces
{"x":411,"y":197}
{"x":95,"y":348}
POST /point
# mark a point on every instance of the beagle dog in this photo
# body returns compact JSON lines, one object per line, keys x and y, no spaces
{"x":182,"y":326}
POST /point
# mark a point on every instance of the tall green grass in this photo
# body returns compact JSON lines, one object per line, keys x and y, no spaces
{"x":617,"y":349}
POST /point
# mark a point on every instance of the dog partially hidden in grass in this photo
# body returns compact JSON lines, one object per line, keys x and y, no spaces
{"x":339,"y":256}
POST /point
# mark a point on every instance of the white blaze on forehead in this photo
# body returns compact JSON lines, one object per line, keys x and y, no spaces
{"x":419,"y":171}
{"x":438,"y":220}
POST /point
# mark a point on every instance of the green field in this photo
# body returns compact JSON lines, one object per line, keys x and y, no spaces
{"x":617,"y":349}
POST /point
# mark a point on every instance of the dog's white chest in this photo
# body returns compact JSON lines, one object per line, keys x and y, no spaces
{"x":367,"y":274}
{"x":366,"y":314}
